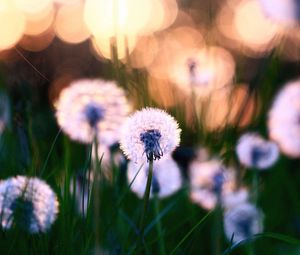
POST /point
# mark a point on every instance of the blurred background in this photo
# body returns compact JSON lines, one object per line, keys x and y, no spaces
{"x":216,"y":66}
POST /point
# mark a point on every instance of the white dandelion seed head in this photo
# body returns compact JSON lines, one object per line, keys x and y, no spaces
{"x":284,"y":119}
{"x":255,"y":152}
{"x":242,"y":222}
{"x":149,"y":133}
{"x":166,"y":178}
{"x":33,"y":198}
{"x":92,"y":107}
{"x":208,"y":181}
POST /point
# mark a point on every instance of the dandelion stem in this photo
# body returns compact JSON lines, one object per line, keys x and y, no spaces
{"x":97,"y":177}
{"x":218,"y":227}
{"x":162,"y":249}
{"x":146,"y":198}
{"x":255,"y":184}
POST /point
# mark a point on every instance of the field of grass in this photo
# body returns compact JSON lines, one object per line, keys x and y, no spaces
{"x":98,"y":212}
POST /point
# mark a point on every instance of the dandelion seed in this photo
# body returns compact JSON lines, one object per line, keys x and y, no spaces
{"x":27,"y":202}
{"x":242,"y":222}
{"x":283,"y":119}
{"x":209,"y":182}
{"x":149,"y":134}
{"x":92,"y":107}
{"x":253,"y":151}
{"x":166,"y":178}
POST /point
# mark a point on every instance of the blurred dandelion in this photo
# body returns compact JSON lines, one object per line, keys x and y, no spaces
{"x":149,"y":134}
{"x":166,"y":177}
{"x":285,"y":12}
{"x":235,"y":198}
{"x":202,"y":70}
{"x":209,"y":182}
{"x":91,"y":108}
{"x":283,"y":119}
{"x":29,"y":203}
{"x":242,"y":222}
{"x":254,"y":151}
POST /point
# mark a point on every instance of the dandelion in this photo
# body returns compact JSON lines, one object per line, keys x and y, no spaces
{"x":202,"y":71}
{"x":209,"y":182}
{"x":253,"y":151}
{"x":149,"y":134}
{"x":27,"y":202}
{"x":166,"y":178}
{"x":282,"y":11}
{"x":242,"y":222}
{"x":283,"y":119}
{"x":232,"y":199}
{"x":91,"y":108}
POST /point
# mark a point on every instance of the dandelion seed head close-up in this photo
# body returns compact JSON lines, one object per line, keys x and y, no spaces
{"x":29,"y":203}
{"x":255,"y":152}
{"x":166,"y":178}
{"x":149,"y":134}
{"x":91,"y":108}
{"x":242,"y":222}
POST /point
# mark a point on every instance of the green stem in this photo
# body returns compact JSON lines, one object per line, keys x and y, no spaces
{"x":218,"y":228}
{"x":97,"y":177}
{"x":146,"y":199}
{"x":162,"y":249}
{"x":255,"y":184}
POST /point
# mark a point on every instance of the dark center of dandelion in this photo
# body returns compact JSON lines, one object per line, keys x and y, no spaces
{"x":94,"y":114}
{"x":257,"y":154}
{"x":218,"y":181}
{"x":192,"y":66}
{"x":244,"y":225}
{"x":150,"y":138}
{"x":23,"y":213}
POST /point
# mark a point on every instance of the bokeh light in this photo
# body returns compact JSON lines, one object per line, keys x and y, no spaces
{"x":236,"y":107}
{"x":69,"y":24}
{"x":38,"y":23}
{"x":105,"y":47}
{"x":170,"y":43}
{"x":33,"y":6}
{"x":13,"y":24}
{"x":118,"y":17}
{"x":247,"y":28}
